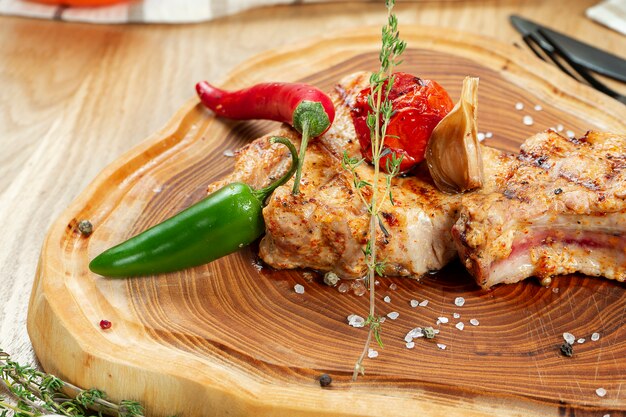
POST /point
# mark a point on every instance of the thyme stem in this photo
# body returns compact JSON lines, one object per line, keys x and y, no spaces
{"x":382,"y":110}
{"x":37,"y":393}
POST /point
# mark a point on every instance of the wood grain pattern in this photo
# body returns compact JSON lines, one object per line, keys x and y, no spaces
{"x":234,"y":338}
{"x":74,"y":97}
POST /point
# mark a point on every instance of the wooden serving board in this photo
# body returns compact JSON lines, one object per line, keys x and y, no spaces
{"x":233,"y":338}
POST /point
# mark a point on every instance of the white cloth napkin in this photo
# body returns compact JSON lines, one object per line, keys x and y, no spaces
{"x":610,"y":13}
{"x":140,"y":11}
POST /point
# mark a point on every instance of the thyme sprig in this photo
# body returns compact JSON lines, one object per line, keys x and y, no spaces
{"x":34,"y":393}
{"x":381,"y":83}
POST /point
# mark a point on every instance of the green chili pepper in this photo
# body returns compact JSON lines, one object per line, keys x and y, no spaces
{"x":221,"y":223}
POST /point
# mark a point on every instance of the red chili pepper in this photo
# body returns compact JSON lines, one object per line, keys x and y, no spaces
{"x":306,"y":108}
{"x":418,"y":106}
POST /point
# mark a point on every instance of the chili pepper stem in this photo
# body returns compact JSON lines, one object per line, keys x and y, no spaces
{"x":303,"y":145}
{"x":263,"y":193}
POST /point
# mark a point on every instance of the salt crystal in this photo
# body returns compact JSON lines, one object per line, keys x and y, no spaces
{"x":460,"y":325}
{"x":456,"y":315}
{"x":555,"y":290}
{"x":474,"y":322}
{"x":528,"y":120}
{"x":298,"y":288}
{"x":595,"y":337}
{"x":581,"y":341}
{"x":343,"y":287}
{"x":414,"y":334}
{"x":228,"y":153}
{"x":519,"y":105}
{"x":393,"y":286}
{"x":480,"y":136}
{"x":459,"y":301}
{"x":410,"y":345}
{"x":387,"y":299}
{"x":443,"y":320}
{"x":488,"y":135}
{"x":600,"y":392}
{"x":358,"y":288}
{"x":538,"y":107}
{"x":441,"y":346}
{"x":356,"y":321}
{"x":559,"y":128}
{"x":393,"y":315}
{"x":414,"y":303}
{"x":606,"y":415}
{"x":424,"y":303}
{"x":569,"y":338}
{"x":570,"y":133}
{"x":371,"y":353}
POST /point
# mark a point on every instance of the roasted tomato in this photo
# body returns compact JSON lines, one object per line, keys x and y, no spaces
{"x":418,"y":106}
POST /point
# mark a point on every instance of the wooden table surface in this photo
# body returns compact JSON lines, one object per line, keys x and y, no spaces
{"x":74,"y":97}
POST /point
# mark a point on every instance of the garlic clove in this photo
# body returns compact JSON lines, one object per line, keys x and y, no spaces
{"x":453,"y":153}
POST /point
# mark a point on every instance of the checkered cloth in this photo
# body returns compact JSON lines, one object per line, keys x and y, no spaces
{"x":140,"y":11}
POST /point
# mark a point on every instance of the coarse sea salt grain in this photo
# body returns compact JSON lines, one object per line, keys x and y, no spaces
{"x":442,"y":319}
{"x":298,"y":288}
{"x":580,"y":341}
{"x":410,"y":345}
{"x":343,"y":287}
{"x":569,"y":338}
{"x":474,"y":322}
{"x":387,"y":299}
{"x":441,"y":346}
{"x":570,"y":133}
{"x":414,"y":334}
{"x":559,"y":128}
{"x":606,"y":415}
{"x":393,"y":286}
{"x":538,"y":107}
{"x":356,"y":321}
{"x":414,"y":303}
{"x":600,"y":392}
{"x":480,"y":136}
{"x":595,"y":337}
{"x":459,"y":301}
{"x":488,"y":135}
{"x":393,"y":315}
{"x":371,"y":353}
{"x":519,"y":106}
{"x":460,"y":325}
{"x":228,"y":153}
{"x":528,"y":120}
{"x":456,"y":315}
{"x":424,"y":303}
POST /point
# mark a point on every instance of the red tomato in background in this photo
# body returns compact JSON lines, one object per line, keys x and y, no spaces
{"x":418,"y":106}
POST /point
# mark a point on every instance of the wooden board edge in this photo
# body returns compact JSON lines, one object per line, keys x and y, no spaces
{"x":43,"y":313}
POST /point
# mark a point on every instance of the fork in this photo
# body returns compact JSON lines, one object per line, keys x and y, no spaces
{"x":544,"y":46}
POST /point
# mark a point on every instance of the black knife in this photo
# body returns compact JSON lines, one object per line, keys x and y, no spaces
{"x":583,"y":54}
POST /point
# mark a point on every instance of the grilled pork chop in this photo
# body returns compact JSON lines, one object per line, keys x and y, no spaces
{"x":558,"y":207}
{"x":325,"y":226}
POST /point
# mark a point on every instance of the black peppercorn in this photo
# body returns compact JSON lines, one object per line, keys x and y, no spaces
{"x":558,"y":191}
{"x":85,"y":227}
{"x":567,"y":350}
{"x":325,"y":380}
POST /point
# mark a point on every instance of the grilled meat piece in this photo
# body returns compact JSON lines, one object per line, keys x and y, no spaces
{"x":325,"y":226}
{"x":558,"y":207}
